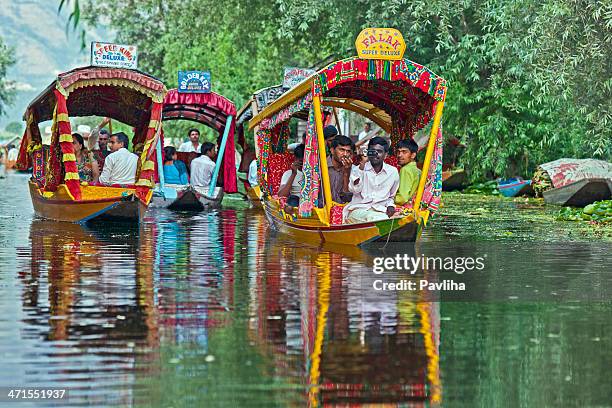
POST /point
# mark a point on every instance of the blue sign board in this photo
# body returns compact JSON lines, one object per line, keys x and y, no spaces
{"x":194,"y":82}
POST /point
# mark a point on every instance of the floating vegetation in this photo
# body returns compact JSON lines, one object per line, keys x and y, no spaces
{"x":599,"y":211}
{"x":486,"y":188}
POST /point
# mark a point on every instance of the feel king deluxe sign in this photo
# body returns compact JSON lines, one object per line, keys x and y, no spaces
{"x":114,"y":55}
{"x":380,"y":43}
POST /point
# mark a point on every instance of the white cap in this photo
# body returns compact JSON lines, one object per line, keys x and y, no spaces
{"x":83,"y":129}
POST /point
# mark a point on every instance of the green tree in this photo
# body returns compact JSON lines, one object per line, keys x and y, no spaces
{"x":7,"y":92}
{"x":14,"y":127}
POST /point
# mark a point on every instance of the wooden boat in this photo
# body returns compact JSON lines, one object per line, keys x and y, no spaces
{"x":218,"y":113}
{"x":398,"y":95}
{"x":258,"y":101}
{"x":515,"y":187}
{"x":129,"y":96}
{"x":453,"y":179}
{"x":580,"y":193}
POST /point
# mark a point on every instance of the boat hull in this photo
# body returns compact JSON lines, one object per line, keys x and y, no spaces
{"x":188,"y":198}
{"x":404,"y":229}
{"x":99,"y":203}
{"x":453,"y":180}
{"x":580,"y":193}
{"x":517,"y":188}
{"x":253,"y":195}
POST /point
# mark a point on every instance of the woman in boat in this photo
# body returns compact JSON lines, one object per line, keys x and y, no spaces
{"x":175,"y":171}
{"x":293,"y":179}
{"x":86,"y":163}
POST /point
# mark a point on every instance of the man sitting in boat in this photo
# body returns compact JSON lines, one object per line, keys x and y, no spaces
{"x":374,"y":185}
{"x":193,"y":144}
{"x":293,"y":179}
{"x":202,"y":167}
{"x":98,"y":142}
{"x":329,"y":133}
{"x":175,"y":171}
{"x":339,"y":165}
{"x":119,"y":166}
{"x":409,"y":173}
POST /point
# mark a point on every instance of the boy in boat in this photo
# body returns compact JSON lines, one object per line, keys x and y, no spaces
{"x":374,"y":185}
{"x":409,"y":173}
{"x":203,"y":167}
{"x":120,"y":166}
{"x":293,"y":179}
{"x":193,"y":144}
{"x":339,"y":165}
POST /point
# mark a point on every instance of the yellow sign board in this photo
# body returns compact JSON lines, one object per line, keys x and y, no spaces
{"x":380,"y":43}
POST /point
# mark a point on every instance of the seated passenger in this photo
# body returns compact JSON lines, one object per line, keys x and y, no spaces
{"x":172,"y":172}
{"x":252,"y":176}
{"x":293,"y":179}
{"x":193,"y":144}
{"x":409,"y":173}
{"x":339,"y":165}
{"x":85,"y":161}
{"x":98,"y":142}
{"x":373,"y":185}
{"x":120,"y":165}
{"x":203,"y":167}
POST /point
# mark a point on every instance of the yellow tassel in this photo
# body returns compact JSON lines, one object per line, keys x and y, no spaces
{"x":63,"y":117}
{"x":149,"y":165}
{"x":65,"y":137}
{"x":68,"y":157}
{"x":71,"y":176}
{"x":145,"y":182}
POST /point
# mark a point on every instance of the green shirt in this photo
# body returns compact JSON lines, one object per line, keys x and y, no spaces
{"x":409,"y":182}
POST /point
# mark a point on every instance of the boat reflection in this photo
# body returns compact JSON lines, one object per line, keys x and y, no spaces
{"x":357,"y":346}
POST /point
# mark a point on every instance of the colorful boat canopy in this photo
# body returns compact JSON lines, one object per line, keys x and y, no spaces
{"x":210,"y":109}
{"x":122,"y":94}
{"x":404,"y":90}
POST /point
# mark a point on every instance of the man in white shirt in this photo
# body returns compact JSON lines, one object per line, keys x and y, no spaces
{"x":366,"y":129}
{"x":193,"y":145}
{"x":119,"y":166}
{"x":203,"y":167}
{"x":293,"y":179}
{"x":252,"y":176}
{"x":374,"y":185}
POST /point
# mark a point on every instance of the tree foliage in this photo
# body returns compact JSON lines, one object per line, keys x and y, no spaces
{"x":6,"y":86}
{"x":529,"y":80}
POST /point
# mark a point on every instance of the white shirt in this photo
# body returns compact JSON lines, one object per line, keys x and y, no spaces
{"x":298,"y":182}
{"x":374,"y":190}
{"x":12,"y":154}
{"x":202,"y":169}
{"x":119,"y":168}
{"x":188,"y":147}
{"x":252,"y":177}
{"x":362,"y":135}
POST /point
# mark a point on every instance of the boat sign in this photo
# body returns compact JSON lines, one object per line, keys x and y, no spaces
{"x":194,"y":82}
{"x":380,"y":43}
{"x":114,"y":55}
{"x":294,"y":76}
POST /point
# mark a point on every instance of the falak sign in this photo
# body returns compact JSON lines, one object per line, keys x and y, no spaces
{"x":114,"y":55}
{"x":380,"y":43}
{"x":294,"y":76}
{"x":194,"y":82}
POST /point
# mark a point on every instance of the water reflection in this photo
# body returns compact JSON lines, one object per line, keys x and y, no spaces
{"x":213,"y":308}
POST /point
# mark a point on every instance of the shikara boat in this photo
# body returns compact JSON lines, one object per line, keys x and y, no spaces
{"x":580,"y":193}
{"x":254,"y":105}
{"x":515,"y":187}
{"x":218,"y":113}
{"x":398,"y":95}
{"x":453,"y":179}
{"x":129,"y":96}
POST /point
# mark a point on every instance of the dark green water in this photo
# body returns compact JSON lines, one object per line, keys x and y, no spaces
{"x":215,"y":310}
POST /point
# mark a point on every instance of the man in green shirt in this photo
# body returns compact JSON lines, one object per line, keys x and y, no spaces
{"x":409,"y":173}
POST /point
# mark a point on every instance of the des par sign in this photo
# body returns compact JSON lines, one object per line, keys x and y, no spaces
{"x":380,"y":43}
{"x":194,"y":82}
{"x":114,"y":55}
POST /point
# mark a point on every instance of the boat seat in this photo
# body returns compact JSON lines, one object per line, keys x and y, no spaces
{"x":98,"y":184}
{"x":336,"y":213}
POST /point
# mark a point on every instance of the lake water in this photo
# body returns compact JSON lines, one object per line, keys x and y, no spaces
{"x":214,"y":309}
